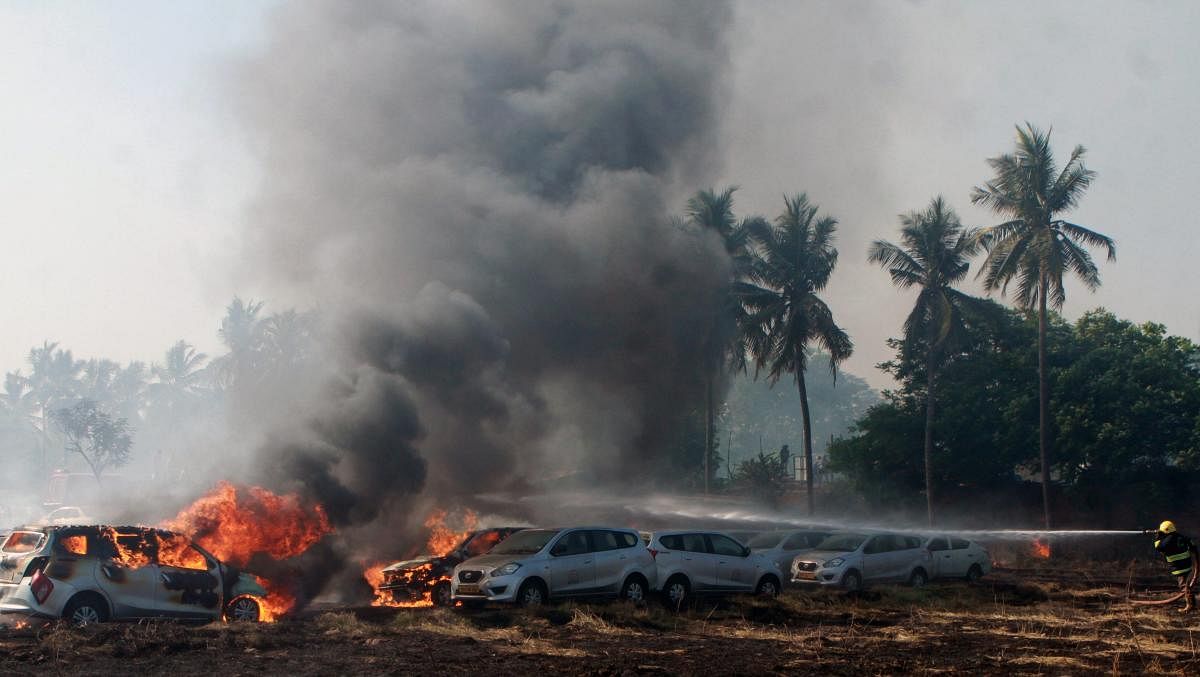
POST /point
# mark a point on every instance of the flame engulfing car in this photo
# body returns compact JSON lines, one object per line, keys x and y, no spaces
{"x":91,"y":574}
{"x":428,"y":576}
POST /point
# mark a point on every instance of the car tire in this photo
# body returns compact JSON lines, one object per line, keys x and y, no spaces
{"x":440,"y":595}
{"x":243,"y":610}
{"x":85,"y":609}
{"x":852,"y":581}
{"x":768,"y":586}
{"x":531,"y":594}
{"x":918,"y":578}
{"x":634,"y":589}
{"x":676,"y":593}
{"x":974,"y":574}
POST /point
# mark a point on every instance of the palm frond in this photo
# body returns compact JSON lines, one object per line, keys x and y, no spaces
{"x":1089,"y":237}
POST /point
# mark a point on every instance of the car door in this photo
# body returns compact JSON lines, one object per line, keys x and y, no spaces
{"x":941,"y":560}
{"x":610,"y":560}
{"x":735,"y":571}
{"x":572,"y":564}
{"x":963,"y":556}
{"x":698,"y":563}
{"x":126,"y":572}
{"x":189,"y":583}
{"x":876,"y":553}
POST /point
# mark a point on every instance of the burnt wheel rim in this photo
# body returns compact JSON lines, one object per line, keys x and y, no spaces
{"x":244,"y":609}
{"x":441,"y":595}
{"x":85,"y":615}
{"x":634,"y":591}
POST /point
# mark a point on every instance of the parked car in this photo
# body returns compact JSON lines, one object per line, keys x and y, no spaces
{"x":953,"y":557}
{"x":67,"y":514}
{"x":91,"y":574}
{"x":694,"y":563}
{"x":783,"y":546}
{"x":852,"y":560}
{"x":429,"y":575}
{"x":536,"y":565}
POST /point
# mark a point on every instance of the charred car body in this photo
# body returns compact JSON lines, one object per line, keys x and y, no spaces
{"x":428,"y":576}
{"x":91,"y":574}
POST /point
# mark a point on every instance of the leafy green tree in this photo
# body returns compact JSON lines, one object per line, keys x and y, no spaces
{"x":101,"y":440}
{"x":54,"y":382}
{"x":1036,"y":248}
{"x":934,"y":254}
{"x":762,"y":476}
{"x":794,"y":259}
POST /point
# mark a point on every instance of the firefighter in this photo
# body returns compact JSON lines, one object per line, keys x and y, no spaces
{"x":1180,"y":554}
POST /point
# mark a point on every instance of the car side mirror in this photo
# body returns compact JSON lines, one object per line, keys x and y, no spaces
{"x":745,"y":551}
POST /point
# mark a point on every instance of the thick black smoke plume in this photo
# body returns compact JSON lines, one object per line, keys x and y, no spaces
{"x":480,"y":192}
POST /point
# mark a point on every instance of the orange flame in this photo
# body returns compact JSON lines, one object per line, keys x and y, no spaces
{"x":442,"y":540}
{"x":1040,"y":548}
{"x":76,"y":545}
{"x":375,"y":576}
{"x":237,"y":525}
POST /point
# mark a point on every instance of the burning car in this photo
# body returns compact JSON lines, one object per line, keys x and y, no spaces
{"x":92,"y":574}
{"x":428,"y":576}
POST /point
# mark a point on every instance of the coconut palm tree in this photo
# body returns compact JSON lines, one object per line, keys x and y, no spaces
{"x":242,"y":333}
{"x":794,"y":259}
{"x":708,"y":210}
{"x":178,"y":377}
{"x":1036,"y":248}
{"x":934,"y":254}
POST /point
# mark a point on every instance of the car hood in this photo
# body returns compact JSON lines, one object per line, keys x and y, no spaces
{"x":411,"y":563}
{"x":487,"y":562}
{"x":822,"y":556}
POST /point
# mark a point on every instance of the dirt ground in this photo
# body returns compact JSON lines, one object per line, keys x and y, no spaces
{"x":1006,"y":624}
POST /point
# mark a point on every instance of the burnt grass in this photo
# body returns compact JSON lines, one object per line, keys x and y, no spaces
{"x":1002,"y":625}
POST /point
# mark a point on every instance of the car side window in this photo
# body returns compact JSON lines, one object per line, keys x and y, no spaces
{"x":694,"y":543}
{"x":938,"y":544}
{"x":603,"y":540}
{"x":574,"y":543}
{"x":674,"y":542}
{"x":723,"y":545}
{"x":959,"y":544}
{"x":877,"y":545}
{"x":795,"y":542}
{"x":626,"y":539}
{"x":911,"y":542}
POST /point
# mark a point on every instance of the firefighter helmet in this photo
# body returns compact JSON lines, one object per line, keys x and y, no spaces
{"x":1167,"y":527}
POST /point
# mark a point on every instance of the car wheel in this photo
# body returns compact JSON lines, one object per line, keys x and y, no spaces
{"x":440,"y":595}
{"x":676,"y":593}
{"x":918,"y":579}
{"x":243,"y":610}
{"x":768,"y":587}
{"x":85,"y":610}
{"x":634,"y":590}
{"x":852,"y":581}
{"x":974,"y":574}
{"x":531,"y":594}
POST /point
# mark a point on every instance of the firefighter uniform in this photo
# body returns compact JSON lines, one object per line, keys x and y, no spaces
{"x":1178,"y":550}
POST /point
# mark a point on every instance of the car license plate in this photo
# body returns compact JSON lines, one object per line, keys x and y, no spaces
{"x":806,"y":575}
{"x":468,"y":589}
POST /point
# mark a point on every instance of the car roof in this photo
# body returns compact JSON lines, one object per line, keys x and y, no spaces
{"x":677,"y":532}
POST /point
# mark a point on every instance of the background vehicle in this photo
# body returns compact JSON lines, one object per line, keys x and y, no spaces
{"x":536,"y":565}
{"x":852,"y":560}
{"x":952,"y":557}
{"x":430,"y":574}
{"x":691,"y":563}
{"x":68,"y":514}
{"x":91,"y":574}
{"x":783,"y":546}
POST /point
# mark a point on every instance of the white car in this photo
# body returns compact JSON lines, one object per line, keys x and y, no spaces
{"x":692,"y":563}
{"x":851,"y":560}
{"x":783,"y":546}
{"x":534,"y":566}
{"x":953,"y":557}
{"x":67,"y":515}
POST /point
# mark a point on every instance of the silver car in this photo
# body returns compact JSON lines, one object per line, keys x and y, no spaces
{"x":852,"y":560}
{"x":536,"y":565}
{"x":954,"y":557}
{"x":783,"y":546}
{"x":691,"y":563}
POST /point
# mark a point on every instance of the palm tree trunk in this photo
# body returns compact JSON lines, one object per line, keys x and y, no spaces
{"x":708,"y":429}
{"x":929,"y":401}
{"x":808,"y":454}
{"x":1043,"y":399}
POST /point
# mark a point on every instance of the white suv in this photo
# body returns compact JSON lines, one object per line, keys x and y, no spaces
{"x":851,"y":560}
{"x":707,"y":562}
{"x":535,"y":565}
{"x":957,"y":558}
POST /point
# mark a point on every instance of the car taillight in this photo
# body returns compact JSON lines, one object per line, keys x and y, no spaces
{"x":42,"y":586}
{"x":653,"y":553}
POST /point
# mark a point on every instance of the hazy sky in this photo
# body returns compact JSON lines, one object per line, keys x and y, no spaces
{"x":123,"y":178}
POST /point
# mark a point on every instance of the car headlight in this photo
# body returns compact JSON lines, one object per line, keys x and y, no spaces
{"x":834,"y":563}
{"x":506,"y":570}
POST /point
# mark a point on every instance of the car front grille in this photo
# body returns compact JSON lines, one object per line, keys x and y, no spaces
{"x":806,"y":566}
{"x":469,"y":576}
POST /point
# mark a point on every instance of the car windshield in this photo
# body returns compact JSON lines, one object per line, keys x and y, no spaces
{"x":20,"y":542}
{"x":525,"y":542}
{"x":842,"y":542}
{"x":765,"y":541}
